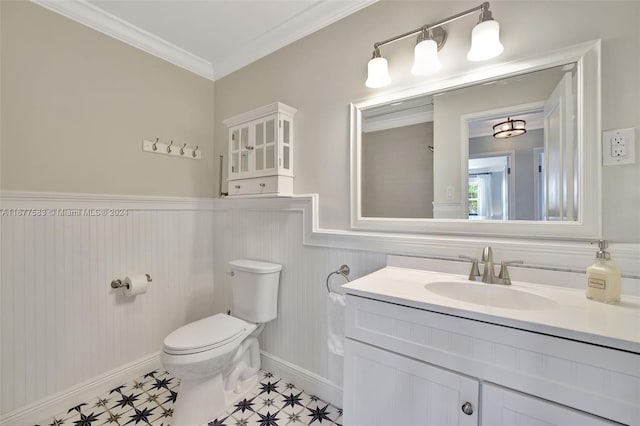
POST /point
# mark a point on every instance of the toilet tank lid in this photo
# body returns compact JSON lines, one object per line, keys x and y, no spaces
{"x":255,"y":266}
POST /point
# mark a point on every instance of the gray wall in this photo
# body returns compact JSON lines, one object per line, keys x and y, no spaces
{"x":397,"y":172}
{"x":76,"y":105}
{"x":322,"y":73}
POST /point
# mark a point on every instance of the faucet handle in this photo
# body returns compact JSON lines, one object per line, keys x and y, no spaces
{"x":475,"y":271}
{"x":504,"y":272}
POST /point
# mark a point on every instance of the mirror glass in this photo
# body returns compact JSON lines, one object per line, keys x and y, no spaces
{"x":519,"y":135}
{"x":508,"y":149}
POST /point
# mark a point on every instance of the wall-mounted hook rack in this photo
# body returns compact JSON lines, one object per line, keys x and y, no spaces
{"x":157,"y":147}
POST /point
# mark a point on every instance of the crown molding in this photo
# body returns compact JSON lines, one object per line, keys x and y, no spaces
{"x":93,"y":17}
{"x":312,"y":19}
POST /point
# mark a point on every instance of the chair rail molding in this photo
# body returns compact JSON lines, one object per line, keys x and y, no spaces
{"x":565,"y":254}
{"x":544,"y":253}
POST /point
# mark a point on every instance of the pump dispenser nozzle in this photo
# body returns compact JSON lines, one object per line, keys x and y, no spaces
{"x":602,"y":253}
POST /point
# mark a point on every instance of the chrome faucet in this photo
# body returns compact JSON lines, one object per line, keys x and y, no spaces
{"x":488,"y":272}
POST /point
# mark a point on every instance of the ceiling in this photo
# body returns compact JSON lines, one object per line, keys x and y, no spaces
{"x":212,"y":38}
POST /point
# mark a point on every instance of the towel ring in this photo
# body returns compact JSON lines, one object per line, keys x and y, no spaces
{"x":344,"y":270}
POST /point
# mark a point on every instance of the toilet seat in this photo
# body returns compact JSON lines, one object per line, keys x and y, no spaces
{"x":205,"y":334}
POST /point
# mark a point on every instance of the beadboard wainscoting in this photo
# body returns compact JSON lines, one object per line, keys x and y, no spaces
{"x":64,"y":329}
{"x":294,"y":345}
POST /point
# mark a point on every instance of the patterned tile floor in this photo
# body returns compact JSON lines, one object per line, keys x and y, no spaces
{"x":148,"y":400}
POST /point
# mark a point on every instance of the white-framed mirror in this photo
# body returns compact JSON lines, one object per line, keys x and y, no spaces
{"x":426,"y":160}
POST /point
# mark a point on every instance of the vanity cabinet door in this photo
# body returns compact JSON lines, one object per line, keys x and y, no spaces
{"x":382,"y":388}
{"x":504,"y":407}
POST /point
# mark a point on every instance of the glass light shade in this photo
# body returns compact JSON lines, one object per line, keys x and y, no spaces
{"x":509,"y":129}
{"x":425,"y":58}
{"x":485,"y":41}
{"x":378,"y":73}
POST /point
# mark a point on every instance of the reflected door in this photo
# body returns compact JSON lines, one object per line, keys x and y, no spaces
{"x":560,"y":153}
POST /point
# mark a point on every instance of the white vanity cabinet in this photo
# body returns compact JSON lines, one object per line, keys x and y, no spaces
{"x":406,"y":366}
{"x":261,"y":151}
{"x":504,"y":407}
{"x":384,"y":388}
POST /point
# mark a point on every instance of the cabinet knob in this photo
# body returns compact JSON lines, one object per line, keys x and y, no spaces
{"x":250,"y":148}
{"x":467,"y":408}
{"x":262,"y":185}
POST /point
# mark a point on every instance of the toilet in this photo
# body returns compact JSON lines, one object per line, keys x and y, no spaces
{"x":217,"y":358}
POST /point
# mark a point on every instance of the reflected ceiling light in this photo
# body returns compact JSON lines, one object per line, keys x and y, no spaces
{"x":378,"y":71}
{"x":485,"y":44}
{"x":509,"y":129}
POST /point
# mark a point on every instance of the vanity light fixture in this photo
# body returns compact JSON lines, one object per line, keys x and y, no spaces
{"x":509,"y":129}
{"x":485,"y":44}
{"x":378,"y":71}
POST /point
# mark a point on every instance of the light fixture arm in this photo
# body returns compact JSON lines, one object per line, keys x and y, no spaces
{"x":485,"y":15}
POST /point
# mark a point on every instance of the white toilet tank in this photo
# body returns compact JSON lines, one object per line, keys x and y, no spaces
{"x":255,"y":290}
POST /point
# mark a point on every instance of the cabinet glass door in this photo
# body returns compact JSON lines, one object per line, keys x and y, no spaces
{"x":270,"y":144}
{"x":244,"y":149}
{"x":235,"y":152}
{"x":259,"y":129}
{"x":286,"y":144}
{"x":239,"y":151}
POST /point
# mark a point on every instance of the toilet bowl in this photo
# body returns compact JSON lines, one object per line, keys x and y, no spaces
{"x":217,"y":358}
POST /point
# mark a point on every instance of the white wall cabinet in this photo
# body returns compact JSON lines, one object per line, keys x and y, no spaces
{"x":261,"y":151}
{"x":406,"y":366}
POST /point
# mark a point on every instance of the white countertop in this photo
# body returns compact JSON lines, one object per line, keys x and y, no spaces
{"x":574,"y":317}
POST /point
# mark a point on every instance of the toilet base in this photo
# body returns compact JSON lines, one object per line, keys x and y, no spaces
{"x":202,"y":400}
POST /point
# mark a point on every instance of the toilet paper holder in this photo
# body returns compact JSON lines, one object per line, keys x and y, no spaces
{"x":120,"y":284}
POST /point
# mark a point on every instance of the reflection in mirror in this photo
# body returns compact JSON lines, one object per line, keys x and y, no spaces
{"x":414,"y":152}
{"x":509,"y":178}
{"x":397,"y":154}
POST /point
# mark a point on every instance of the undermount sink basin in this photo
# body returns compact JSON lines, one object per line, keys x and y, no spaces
{"x":494,"y":295}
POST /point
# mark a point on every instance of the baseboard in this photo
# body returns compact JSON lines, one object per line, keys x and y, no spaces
{"x":59,"y":402}
{"x":303,"y":379}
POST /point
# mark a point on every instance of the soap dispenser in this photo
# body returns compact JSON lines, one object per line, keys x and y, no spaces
{"x":603,"y":277}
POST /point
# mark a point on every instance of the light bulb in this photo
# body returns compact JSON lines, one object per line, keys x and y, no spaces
{"x":425,"y":58}
{"x":485,"y":41}
{"x":378,"y":73}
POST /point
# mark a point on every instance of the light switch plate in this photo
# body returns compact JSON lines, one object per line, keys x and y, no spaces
{"x":618,"y":147}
